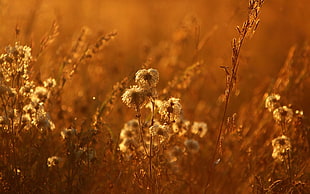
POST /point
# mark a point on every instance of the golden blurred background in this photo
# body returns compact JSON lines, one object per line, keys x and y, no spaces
{"x":166,"y":33}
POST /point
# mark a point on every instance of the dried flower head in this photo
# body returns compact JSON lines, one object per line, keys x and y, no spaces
{"x":132,"y":125}
{"x":15,"y":61}
{"x":281,"y":147}
{"x":199,"y":128}
{"x":127,"y":144}
{"x":171,"y":110}
{"x":283,"y":114}
{"x":147,"y":78}
{"x":192,"y":145}
{"x":127,"y":133}
{"x":40,"y":93}
{"x":160,"y":131}
{"x":175,"y":153}
{"x":53,"y":161}
{"x":272,"y":102}
{"x":134,"y":97}
{"x":181,"y":127}
{"x":42,"y":120}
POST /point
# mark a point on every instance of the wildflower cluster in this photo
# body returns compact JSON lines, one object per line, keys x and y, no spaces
{"x":281,"y":114}
{"x":23,"y":100}
{"x":138,"y":95}
{"x":165,"y":134}
{"x":23,"y":116}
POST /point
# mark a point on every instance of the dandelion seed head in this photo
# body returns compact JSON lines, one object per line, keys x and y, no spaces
{"x":42,"y":120}
{"x":272,"y":102}
{"x":175,"y":153}
{"x":127,"y":133}
{"x":192,"y":145}
{"x":281,"y":147}
{"x":181,"y":127}
{"x":134,"y":97}
{"x":199,"y":128}
{"x":132,"y":125}
{"x":171,"y":110}
{"x":283,"y":114}
{"x":40,"y":93}
{"x":160,"y":131}
{"x":127,"y":144}
{"x":147,"y":78}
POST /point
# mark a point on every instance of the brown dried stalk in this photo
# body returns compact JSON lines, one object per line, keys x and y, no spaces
{"x":247,"y":30}
{"x":48,"y":38}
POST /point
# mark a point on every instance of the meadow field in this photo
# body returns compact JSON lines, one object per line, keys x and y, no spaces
{"x":158,"y":96}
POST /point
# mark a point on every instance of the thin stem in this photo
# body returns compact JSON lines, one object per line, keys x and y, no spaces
{"x":150,"y":161}
{"x":289,"y":165}
{"x":141,"y":131}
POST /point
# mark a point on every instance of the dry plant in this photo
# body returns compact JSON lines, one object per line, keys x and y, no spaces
{"x":81,"y":116}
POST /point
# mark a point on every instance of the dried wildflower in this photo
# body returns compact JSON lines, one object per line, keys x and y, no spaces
{"x":281,"y":147}
{"x":42,"y":120}
{"x":49,"y":83}
{"x":127,"y":133}
{"x":15,"y":62}
{"x":53,"y":161}
{"x":191,"y":145}
{"x":127,"y":144}
{"x":160,"y":131}
{"x":67,"y":133}
{"x":272,"y":102}
{"x":132,"y":124}
{"x":181,"y":127}
{"x":175,"y":153}
{"x":171,"y":110}
{"x":40,"y":93}
{"x":134,"y":97}
{"x":199,"y":128}
{"x":147,"y":78}
{"x":283,"y":114}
